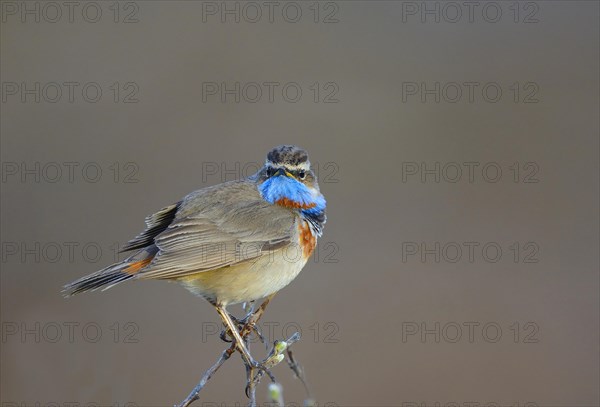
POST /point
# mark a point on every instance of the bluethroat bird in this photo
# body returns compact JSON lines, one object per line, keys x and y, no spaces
{"x":231,"y":243}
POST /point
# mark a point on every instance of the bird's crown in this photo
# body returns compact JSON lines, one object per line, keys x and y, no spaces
{"x":290,"y":157}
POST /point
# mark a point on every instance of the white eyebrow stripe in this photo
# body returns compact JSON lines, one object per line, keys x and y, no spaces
{"x":302,"y":166}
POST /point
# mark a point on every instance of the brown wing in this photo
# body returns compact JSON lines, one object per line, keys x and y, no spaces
{"x":218,"y":227}
{"x":155,"y":224}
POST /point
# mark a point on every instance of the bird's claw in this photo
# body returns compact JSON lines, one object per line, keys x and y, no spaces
{"x":255,"y":373}
{"x":225,"y":335}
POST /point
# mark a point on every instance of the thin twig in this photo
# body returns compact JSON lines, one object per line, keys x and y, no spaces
{"x":195,"y":394}
{"x":247,"y":326}
{"x":298,"y":371}
{"x":250,"y":387}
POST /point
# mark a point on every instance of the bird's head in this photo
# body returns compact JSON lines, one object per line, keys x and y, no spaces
{"x":287,"y":180}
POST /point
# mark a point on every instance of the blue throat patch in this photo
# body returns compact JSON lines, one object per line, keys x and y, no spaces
{"x":282,"y":187}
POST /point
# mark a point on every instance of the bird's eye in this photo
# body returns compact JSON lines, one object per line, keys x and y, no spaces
{"x":270,"y":172}
{"x":301,"y":174}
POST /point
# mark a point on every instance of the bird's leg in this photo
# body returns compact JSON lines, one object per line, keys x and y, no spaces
{"x":247,"y":325}
{"x":253,"y":368}
{"x":248,"y":308}
{"x":239,"y":341}
{"x":250,"y":321}
{"x":253,"y":317}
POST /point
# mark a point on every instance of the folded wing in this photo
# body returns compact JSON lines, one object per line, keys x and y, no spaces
{"x":218,"y":227}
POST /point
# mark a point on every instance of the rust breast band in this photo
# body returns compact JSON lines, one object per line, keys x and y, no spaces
{"x":288,"y":203}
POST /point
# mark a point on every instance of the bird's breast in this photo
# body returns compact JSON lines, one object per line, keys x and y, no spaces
{"x":306,"y":238}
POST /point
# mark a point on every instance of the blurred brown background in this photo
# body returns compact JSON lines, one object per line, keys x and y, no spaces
{"x":368,"y":304}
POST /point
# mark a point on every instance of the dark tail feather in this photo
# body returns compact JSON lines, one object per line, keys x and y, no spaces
{"x":111,"y":275}
{"x":105,"y":278}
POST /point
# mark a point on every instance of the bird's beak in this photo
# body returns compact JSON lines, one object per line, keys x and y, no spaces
{"x":281,"y":171}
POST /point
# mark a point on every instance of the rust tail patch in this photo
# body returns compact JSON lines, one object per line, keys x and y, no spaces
{"x":136,"y":266}
{"x":108,"y":277}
